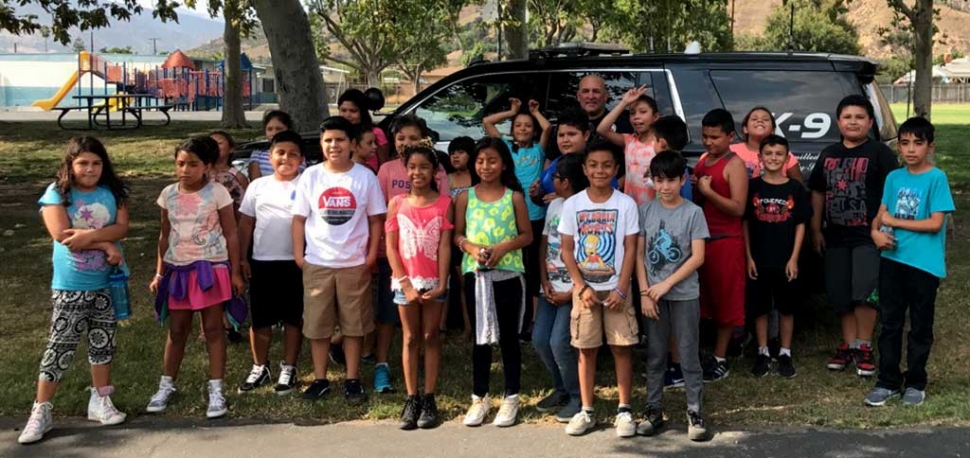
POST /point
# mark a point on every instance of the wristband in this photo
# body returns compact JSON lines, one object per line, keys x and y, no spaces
{"x":620,"y":293}
{"x":644,"y":293}
{"x":159,"y":276}
{"x":583,"y":290}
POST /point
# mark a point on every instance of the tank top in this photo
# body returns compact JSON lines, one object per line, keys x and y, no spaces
{"x":419,"y":230}
{"x":719,"y":223}
{"x":488,"y":223}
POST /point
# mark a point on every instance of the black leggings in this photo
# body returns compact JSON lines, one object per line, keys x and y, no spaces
{"x":508,"y":295}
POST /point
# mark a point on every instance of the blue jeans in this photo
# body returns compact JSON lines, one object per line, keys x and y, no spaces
{"x":550,"y":336}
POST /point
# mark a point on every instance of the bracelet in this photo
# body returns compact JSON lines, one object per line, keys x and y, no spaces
{"x":644,"y":293}
{"x":620,"y":293}
{"x":399,"y":280}
{"x":583,"y":290}
{"x":461,"y":244}
{"x":159,"y":276}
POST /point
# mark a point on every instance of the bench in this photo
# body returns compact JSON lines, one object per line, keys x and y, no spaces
{"x":65,"y":110}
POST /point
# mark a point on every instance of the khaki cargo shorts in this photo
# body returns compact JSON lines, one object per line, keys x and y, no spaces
{"x":588,"y":325}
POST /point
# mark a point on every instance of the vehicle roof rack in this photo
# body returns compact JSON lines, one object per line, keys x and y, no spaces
{"x":578,"y":50}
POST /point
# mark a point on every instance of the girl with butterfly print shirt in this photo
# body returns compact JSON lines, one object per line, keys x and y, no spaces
{"x":418,"y":231}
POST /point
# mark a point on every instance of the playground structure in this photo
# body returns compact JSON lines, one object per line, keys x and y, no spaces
{"x":176,"y":82}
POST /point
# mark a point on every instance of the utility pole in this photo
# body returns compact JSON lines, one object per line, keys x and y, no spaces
{"x":154,"y":45}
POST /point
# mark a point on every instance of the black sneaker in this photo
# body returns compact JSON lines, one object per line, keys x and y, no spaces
{"x":786,"y":368}
{"x":653,"y":421}
{"x":715,"y":371}
{"x":354,"y":392}
{"x":429,"y":413}
{"x":337,"y":355}
{"x":553,"y":402}
{"x":673,"y":377}
{"x":762,"y":366}
{"x":257,"y":377}
{"x":409,"y":416}
{"x":287,"y":381}
{"x":317,"y":390}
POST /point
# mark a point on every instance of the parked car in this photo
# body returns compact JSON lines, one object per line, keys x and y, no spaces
{"x":802,"y":89}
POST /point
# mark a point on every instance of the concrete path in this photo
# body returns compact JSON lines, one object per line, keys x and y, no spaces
{"x":149,"y":438}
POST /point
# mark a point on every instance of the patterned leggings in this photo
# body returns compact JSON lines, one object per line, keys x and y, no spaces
{"x":75,"y":312}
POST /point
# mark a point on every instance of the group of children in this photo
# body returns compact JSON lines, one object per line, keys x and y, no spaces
{"x":597,"y":252}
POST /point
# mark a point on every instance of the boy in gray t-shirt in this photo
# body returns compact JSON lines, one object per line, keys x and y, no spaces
{"x":670,"y":248}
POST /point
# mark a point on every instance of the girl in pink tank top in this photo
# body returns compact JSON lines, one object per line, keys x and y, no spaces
{"x":418,"y":229}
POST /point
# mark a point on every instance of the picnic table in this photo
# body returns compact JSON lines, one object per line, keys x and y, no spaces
{"x":98,"y":106}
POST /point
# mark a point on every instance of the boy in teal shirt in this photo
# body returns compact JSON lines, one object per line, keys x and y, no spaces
{"x":910,"y":231}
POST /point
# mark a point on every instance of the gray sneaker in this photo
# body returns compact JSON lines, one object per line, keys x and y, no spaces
{"x":880,"y":396}
{"x":913,"y":397}
{"x":568,"y":411}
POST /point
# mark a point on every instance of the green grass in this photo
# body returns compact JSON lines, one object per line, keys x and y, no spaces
{"x":29,"y":153}
{"x":943,"y":113}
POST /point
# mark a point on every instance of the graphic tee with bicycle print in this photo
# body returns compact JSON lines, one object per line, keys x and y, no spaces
{"x":669,"y":233}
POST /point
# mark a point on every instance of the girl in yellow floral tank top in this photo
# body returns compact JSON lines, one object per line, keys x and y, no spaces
{"x":491,"y":227}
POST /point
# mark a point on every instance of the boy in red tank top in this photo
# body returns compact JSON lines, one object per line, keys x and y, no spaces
{"x":722,"y":187}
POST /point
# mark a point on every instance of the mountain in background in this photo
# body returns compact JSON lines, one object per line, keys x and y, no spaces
{"x":193,"y":30}
{"x":750,"y":18}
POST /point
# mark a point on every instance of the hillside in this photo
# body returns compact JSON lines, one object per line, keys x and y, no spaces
{"x":750,"y":17}
{"x":191,"y":31}
{"x":868,"y":16}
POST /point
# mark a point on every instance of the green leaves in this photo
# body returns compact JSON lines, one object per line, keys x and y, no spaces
{"x":83,"y":14}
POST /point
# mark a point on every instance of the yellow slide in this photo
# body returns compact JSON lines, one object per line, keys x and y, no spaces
{"x":49,"y":104}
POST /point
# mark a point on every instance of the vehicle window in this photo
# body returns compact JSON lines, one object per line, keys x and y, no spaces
{"x":885,"y":121}
{"x":697,"y":97}
{"x":564,"y":85}
{"x":458,"y":109}
{"x":803,"y":102}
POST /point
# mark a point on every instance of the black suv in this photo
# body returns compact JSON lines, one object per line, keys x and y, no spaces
{"x":801,"y":89}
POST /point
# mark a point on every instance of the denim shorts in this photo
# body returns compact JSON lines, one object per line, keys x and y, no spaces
{"x":401,"y":299}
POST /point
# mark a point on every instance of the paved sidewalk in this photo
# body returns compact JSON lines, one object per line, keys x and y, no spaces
{"x":149,"y":438}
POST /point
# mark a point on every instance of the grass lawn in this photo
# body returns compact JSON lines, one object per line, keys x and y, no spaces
{"x":29,"y":153}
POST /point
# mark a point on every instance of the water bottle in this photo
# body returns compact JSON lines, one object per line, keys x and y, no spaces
{"x":118,"y":285}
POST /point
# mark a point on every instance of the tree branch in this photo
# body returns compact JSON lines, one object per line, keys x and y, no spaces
{"x":900,"y":6}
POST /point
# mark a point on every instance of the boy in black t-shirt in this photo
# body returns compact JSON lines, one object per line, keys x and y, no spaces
{"x":774,"y":227}
{"x":847,"y":185}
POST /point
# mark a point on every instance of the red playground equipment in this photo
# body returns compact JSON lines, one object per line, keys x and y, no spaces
{"x":177,"y":82}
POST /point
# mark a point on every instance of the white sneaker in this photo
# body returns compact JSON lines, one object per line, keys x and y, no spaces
{"x":101,"y":409}
{"x":625,"y":426}
{"x":217,"y":402}
{"x":38,"y":424}
{"x":477,"y":412}
{"x":508,"y":412}
{"x":580,"y":424}
{"x":159,"y":400}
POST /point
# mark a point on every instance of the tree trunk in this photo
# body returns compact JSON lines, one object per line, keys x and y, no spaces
{"x":233,"y":114}
{"x":373,"y":77}
{"x":518,"y":36}
{"x":417,"y":79}
{"x":299,"y":82}
{"x":923,"y":43}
